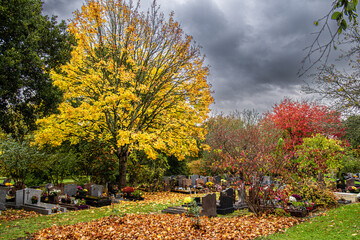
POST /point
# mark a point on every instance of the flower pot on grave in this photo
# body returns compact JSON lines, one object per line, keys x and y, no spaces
{"x":34,"y":201}
{"x":297,"y":212}
{"x":82,"y":207}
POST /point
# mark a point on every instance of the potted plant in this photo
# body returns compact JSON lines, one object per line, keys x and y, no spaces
{"x":138,"y":195}
{"x":352,"y":189}
{"x":34,"y":199}
{"x":81,"y":204}
{"x":127,"y":191}
{"x":81,"y":191}
{"x":55,"y":209}
{"x":66,"y":199}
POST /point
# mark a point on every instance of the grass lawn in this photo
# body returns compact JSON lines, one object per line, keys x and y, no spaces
{"x":338,"y":223}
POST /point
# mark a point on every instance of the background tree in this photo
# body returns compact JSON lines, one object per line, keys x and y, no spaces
{"x":352,"y":130}
{"x":344,"y":12}
{"x":342,"y":88}
{"x":319,"y":154}
{"x":135,"y":82}
{"x":31,"y":45}
{"x":299,"y":120}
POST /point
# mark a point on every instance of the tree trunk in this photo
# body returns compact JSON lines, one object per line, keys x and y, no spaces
{"x":122,"y":155}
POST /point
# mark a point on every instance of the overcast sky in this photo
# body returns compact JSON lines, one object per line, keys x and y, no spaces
{"x":253,"y":47}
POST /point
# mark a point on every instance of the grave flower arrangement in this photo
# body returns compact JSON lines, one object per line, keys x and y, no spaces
{"x":127,"y":191}
{"x":54,"y":192}
{"x":81,"y":191}
{"x":138,"y":194}
{"x":55,"y":209}
{"x":353,"y":189}
{"x":66,"y":199}
{"x":8,"y":184}
{"x":81,"y":204}
{"x":34,"y":199}
{"x":44,"y":194}
{"x":210,"y":185}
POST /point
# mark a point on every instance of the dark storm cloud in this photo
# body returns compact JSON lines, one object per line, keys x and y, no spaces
{"x":254,"y":48}
{"x":62,"y":8}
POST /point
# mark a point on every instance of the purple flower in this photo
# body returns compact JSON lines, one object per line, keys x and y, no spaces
{"x":297,"y":197}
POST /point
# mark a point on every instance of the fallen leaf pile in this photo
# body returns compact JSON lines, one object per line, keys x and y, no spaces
{"x":165,"y":226}
{"x":166,"y":197}
{"x":12,"y":214}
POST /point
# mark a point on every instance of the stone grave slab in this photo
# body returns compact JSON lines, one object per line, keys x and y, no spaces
{"x":174,"y":210}
{"x":209,"y":205}
{"x":43,"y":208}
{"x":347,"y":196}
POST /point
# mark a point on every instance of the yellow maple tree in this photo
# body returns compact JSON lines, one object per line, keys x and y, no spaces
{"x":135,"y":82}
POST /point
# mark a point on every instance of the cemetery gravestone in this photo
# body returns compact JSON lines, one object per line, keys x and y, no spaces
{"x":19,"y":198}
{"x":87,"y":186}
{"x":204,"y":178}
{"x":217,"y":180}
{"x":186,"y":183}
{"x":210,"y":179}
{"x":3,"y":192}
{"x":29,"y":193}
{"x":350,"y":182}
{"x":226,"y":202}
{"x":49,"y":186}
{"x":70,"y":189}
{"x":200,"y":182}
{"x":266,"y":180}
{"x":96,"y":190}
{"x":193,"y":179}
{"x":166,"y":184}
{"x":209,"y":205}
{"x":179,"y":179}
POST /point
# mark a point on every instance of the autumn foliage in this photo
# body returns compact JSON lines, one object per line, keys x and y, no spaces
{"x":300,"y":120}
{"x":161,"y":226}
{"x":135,"y":82}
